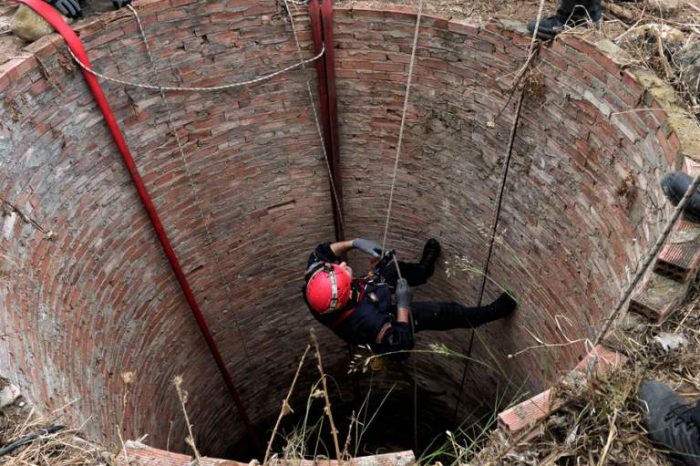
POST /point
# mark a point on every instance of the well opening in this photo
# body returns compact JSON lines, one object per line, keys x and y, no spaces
{"x":250,"y":200}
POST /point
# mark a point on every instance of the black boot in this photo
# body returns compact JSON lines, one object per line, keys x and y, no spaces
{"x":504,"y":305}
{"x":672,"y":424}
{"x":431,"y":252}
{"x":674,"y":185}
{"x":447,"y":316}
{"x":571,"y":13}
{"x":501,"y":308}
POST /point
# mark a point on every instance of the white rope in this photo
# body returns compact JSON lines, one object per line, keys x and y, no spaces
{"x":316,"y":120}
{"x":401,"y":128}
{"x":391,"y":198}
{"x":156,"y":87}
{"x":188,"y":174}
{"x":540,"y":11}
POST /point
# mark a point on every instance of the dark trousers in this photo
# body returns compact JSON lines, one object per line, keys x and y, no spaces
{"x":432,"y":315}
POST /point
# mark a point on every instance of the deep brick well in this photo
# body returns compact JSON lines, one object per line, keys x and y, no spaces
{"x":87,"y":294}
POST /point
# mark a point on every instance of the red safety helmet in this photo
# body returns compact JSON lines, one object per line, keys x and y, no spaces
{"x":329,"y":288}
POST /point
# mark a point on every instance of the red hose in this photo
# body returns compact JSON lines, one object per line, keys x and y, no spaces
{"x":56,"y":20}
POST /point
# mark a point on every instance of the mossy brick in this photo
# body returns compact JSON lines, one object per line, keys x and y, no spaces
{"x":658,"y":297}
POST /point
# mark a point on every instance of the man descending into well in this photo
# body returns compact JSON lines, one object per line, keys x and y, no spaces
{"x":375,"y":310}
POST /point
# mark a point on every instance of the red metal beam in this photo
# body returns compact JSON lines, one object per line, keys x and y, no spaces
{"x":322,"y":35}
{"x":52,"y":17}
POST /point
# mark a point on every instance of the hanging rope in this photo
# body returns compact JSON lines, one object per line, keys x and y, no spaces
{"x":519,"y":75}
{"x":391,"y":197}
{"x":312,"y":104}
{"x":494,"y":229}
{"x":223,"y":87}
{"x":401,"y":128}
{"x":190,"y":181}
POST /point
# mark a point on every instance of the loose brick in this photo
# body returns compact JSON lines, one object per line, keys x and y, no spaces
{"x":680,"y":256}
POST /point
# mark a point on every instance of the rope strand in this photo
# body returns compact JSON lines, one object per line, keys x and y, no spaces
{"x":190,"y":181}
{"x":401,"y":128}
{"x":316,"y":119}
{"x":156,"y":87}
{"x":391,"y":198}
{"x":494,"y":229}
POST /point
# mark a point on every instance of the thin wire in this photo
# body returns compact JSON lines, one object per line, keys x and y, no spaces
{"x":193,"y":187}
{"x":494,"y":229}
{"x":401,"y":128}
{"x":531,"y":49}
{"x":316,"y":119}
{"x":651,"y":255}
{"x":157,"y":87}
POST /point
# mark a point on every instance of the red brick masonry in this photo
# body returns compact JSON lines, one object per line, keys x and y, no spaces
{"x":98,"y":299}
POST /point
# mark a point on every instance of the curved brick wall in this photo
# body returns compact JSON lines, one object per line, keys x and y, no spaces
{"x":581,"y":204}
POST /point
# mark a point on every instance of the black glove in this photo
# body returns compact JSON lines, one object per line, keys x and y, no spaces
{"x":368,"y":247}
{"x":403,"y":294}
{"x":70,"y":8}
{"x":120,"y":3}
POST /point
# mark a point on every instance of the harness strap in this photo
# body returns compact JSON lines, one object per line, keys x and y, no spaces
{"x":348,"y":312}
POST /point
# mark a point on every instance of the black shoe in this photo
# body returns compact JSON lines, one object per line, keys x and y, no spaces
{"x":674,"y":185}
{"x":504,"y":305}
{"x":670,"y":422}
{"x":431,"y":252}
{"x":571,"y":13}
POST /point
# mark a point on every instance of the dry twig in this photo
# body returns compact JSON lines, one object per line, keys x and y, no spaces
{"x":182,"y":396}
{"x":286,"y":409}
{"x":327,"y":409}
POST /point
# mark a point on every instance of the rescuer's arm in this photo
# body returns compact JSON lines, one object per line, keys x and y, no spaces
{"x":397,"y":336}
{"x":341,"y":247}
{"x":367,"y":246}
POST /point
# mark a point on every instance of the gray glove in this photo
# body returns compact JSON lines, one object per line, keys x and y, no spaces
{"x":403,"y":294}
{"x":70,"y":8}
{"x":368,"y":247}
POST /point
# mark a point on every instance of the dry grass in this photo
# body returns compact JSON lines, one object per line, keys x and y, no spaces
{"x":64,"y":447}
{"x":602,"y":423}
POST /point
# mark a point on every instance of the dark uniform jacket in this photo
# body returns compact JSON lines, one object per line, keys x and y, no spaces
{"x":369,"y":318}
